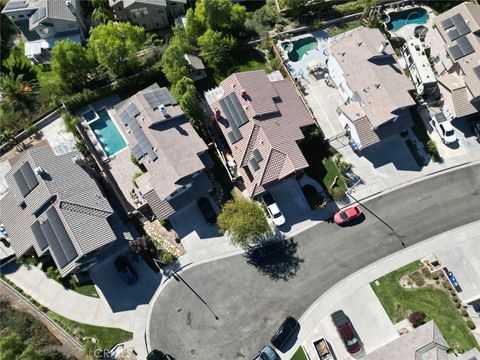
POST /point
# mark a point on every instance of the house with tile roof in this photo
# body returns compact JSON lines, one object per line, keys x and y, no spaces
{"x":150,"y":14}
{"x":258,"y":123}
{"x":454,"y":46}
{"x":174,"y":158}
{"x":43,"y":22}
{"x":377,"y":94}
{"x":55,"y":206}
{"x":425,"y":342}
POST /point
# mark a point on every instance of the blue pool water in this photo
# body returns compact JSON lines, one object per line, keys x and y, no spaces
{"x":107,"y":133}
{"x":411,"y":16}
{"x":89,"y":115}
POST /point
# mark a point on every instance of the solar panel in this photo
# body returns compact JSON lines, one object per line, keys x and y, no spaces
{"x":42,"y":12}
{"x":16,"y":5}
{"x":465,"y":46}
{"x":460,"y":24}
{"x":233,"y":110}
{"x":152,"y":100}
{"x":231,"y":137}
{"x":137,"y":152}
{"x":254,"y":164}
{"x":60,"y":243}
{"x":39,"y":235}
{"x":257,"y":156}
{"x":132,"y":110}
{"x":453,"y":34}
{"x":455,"y":52}
{"x":25,"y":179}
{"x":447,"y":23}
{"x":476,"y":71}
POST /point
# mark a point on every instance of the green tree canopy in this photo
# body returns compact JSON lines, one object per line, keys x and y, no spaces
{"x":73,"y":64}
{"x":115,"y":46}
{"x":244,"y":220}
{"x":173,"y":63}
{"x":220,"y":15}
{"x":186,"y":94}
{"x":194,"y":27}
{"x":216,"y":47}
{"x":13,"y":348}
{"x":18,"y":64}
{"x":17,"y":93}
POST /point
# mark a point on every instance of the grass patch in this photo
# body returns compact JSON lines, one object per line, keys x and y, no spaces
{"x":87,"y":290}
{"x":341,"y":28}
{"x":332,"y":172}
{"x":435,"y":303}
{"x":246,"y":59}
{"x":299,"y":354}
{"x":106,"y":337}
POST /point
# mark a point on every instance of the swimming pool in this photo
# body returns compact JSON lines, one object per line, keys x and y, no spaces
{"x":90,"y":115}
{"x":107,"y":133}
{"x":300,"y":47}
{"x":397,"y":20}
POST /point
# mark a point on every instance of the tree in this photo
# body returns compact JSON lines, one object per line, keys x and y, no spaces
{"x":215,"y":47}
{"x":238,"y":15}
{"x":244,"y":220}
{"x":73,"y":64}
{"x":417,"y":318}
{"x":18,"y":94}
{"x":186,"y":94}
{"x":264,"y":19}
{"x":173,"y":63}
{"x":194,"y":27}
{"x":30,"y":354}
{"x":217,"y":14}
{"x":18,"y":64}
{"x":11,"y":346}
{"x":115,"y":47}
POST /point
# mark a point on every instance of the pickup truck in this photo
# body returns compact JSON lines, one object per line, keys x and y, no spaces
{"x":347,"y":332}
{"x":323,"y":349}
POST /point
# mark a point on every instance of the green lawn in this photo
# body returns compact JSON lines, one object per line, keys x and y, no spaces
{"x":87,"y":290}
{"x":331,"y":173}
{"x":339,"y":29}
{"x":436,"y":303}
{"x":299,"y":355}
{"x":243,"y":60}
{"x":107,"y":337}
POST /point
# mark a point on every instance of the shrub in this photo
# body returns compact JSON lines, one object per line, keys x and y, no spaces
{"x":417,"y":278}
{"x":471,"y":325}
{"x":313,"y":197}
{"x":435,"y":276}
{"x":338,"y":192}
{"x":464,"y":312}
{"x":81,"y":146}
{"x":417,"y":318}
{"x":134,"y":178}
{"x":458,"y":305}
{"x":455,"y":299}
{"x":166,"y":257}
{"x":134,"y":159}
{"x":437,"y":282}
{"x":53,"y":273}
{"x":432,"y":150}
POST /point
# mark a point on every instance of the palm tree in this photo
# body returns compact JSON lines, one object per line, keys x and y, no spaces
{"x":17,"y":93}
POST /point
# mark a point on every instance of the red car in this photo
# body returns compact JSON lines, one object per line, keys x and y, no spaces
{"x":347,"y":214}
{"x":347,"y":332}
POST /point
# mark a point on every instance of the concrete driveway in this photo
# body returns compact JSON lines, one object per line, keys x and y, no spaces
{"x":196,"y":235}
{"x":117,"y":294}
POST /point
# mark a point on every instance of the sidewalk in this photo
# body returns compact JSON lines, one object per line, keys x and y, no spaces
{"x":313,"y":320}
{"x":67,"y":303}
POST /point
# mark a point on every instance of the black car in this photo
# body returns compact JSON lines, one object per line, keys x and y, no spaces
{"x":285,"y":332}
{"x":261,"y":253}
{"x":476,"y":129}
{"x":207,"y":211}
{"x":126,"y":270}
{"x":158,"y":355}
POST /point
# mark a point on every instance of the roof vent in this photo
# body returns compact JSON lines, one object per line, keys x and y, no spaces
{"x":163,"y":109}
{"x":359,"y":43}
{"x":77,"y":160}
{"x":244,"y":93}
{"x":218,"y":114}
{"x":383,"y":46}
{"x":38,"y":170}
{"x":377,"y":85}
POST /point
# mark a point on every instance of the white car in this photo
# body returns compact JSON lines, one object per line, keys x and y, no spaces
{"x":444,"y":128}
{"x":273,"y":210}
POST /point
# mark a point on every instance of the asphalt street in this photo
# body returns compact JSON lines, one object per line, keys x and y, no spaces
{"x":251,"y":302}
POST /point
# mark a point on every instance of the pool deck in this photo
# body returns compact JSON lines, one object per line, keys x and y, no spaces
{"x":300,"y":67}
{"x":407,"y":31}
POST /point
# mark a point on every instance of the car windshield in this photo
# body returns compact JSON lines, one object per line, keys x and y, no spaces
{"x":277,"y":215}
{"x":344,"y":215}
{"x":449,"y":133}
{"x":352,"y":341}
{"x":264,"y":356}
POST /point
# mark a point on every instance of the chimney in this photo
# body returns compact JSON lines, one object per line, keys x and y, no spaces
{"x":38,"y":170}
{"x":383,"y":46}
{"x":163,"y":109}
{"x":244,"y":93}
{"x":218,"y":114}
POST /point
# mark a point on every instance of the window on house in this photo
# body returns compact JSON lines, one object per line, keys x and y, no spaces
{"x":139,"y":13}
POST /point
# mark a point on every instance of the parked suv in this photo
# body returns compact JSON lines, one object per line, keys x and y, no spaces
{"x":273,"y":210}
{"x":285,"y":332}
{"x":347,"y":332}
{"x":444,"y":128}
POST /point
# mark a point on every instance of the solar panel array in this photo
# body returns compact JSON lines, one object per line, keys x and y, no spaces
{"x":39,"y":14}
{"x":257,"y":156}
{"x":461,"y":27}
{"x":254,"y":164}
{"x":128,"y":118}
{"x":52,"y":232}
{"x":447,"y":23}
{"x":476,"y":71}
{"x":137,"y":152}
{"x":158,"y":97}
{"x":234,"y":114}
{"x":462,"y":48}
{"x":25,"y":179}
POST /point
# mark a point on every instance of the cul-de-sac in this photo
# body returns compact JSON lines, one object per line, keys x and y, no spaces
{"x":240,"y":180}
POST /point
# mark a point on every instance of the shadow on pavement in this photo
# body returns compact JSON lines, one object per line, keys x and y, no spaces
{"x":281,"y":266}
{"x":358,"y":220}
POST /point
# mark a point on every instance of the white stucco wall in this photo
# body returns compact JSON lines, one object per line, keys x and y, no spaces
{"x":447,"y":108}
{"x":336,"y":73}
{"x":345,"y":121}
